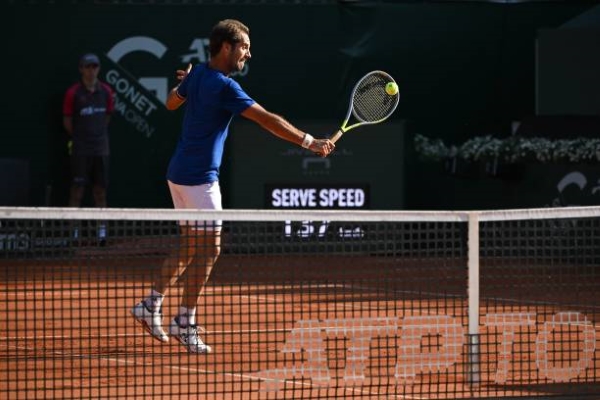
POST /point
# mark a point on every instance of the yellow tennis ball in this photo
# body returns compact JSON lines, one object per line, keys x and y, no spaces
{"x":391,"y":88}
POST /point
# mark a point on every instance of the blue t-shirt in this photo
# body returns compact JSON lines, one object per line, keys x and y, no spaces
{"x":212,"y":100}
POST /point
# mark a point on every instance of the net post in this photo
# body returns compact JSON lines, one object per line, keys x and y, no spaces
{"x":473,"y":375}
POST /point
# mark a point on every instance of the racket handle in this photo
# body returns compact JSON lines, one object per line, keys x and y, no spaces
{"x":336,"y":136}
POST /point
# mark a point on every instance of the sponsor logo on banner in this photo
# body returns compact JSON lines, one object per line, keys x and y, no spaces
{"x":140,"y":98}
{"x":575,"y":189}
{"x":323,"y":196}
{"x":25,"y":241}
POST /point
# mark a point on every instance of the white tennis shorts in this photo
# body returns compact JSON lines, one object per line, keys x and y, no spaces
{"x":203,"y":197}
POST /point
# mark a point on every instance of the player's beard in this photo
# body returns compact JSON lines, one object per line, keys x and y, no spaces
{"x":238,"y":65}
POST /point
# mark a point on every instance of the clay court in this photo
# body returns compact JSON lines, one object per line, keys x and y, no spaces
{"x":324,"y":325}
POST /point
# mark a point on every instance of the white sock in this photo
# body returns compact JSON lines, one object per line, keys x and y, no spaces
{"x":154,"y":300}
{"x":186,"y":316}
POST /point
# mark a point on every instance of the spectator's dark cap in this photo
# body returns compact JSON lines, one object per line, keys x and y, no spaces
{"x":89,"y":59}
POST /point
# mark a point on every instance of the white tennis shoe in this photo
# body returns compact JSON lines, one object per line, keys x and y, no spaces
{"x":151,"y":321}
{"x":189,"y":338}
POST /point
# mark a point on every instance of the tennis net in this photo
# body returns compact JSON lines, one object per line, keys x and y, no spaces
{"x":304,"y":304}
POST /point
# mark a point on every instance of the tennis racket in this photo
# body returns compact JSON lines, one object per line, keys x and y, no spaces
{"x":370,"y":103}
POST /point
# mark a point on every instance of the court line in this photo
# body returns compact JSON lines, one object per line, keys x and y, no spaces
{"x":134,"y":335}
{"x":288,"y":382}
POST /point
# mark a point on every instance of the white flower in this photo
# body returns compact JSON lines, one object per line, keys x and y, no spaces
{"x":512,"y":149}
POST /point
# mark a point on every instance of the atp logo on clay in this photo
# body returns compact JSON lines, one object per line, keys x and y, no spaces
{"x":513,"y":343}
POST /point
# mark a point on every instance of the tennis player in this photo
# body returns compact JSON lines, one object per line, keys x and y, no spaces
{"x":212,"y":99}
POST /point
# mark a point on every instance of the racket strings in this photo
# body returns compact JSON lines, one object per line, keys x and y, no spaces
{"x":371,"y":103}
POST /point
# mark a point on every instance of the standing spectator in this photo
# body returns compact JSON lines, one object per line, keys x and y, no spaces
{"x":87,"y":107}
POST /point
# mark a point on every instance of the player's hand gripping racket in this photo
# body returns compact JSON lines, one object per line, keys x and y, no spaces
{"x":374,"y":98}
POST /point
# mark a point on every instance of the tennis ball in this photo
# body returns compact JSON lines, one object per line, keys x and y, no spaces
{"x":391,"y":88}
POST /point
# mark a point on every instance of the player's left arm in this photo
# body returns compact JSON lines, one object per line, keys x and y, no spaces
{"x":174,"y":99}
{"x":283,"y":129}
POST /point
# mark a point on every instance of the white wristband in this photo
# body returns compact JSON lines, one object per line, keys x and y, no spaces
{"x":307,"y":141}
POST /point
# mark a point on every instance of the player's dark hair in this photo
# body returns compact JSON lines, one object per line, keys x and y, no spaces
{"x":228,"y":30}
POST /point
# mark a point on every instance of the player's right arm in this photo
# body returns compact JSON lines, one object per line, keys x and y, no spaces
{"x":283,"y":129}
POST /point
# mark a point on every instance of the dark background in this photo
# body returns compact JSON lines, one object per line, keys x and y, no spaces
{"x":464,"y":68}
